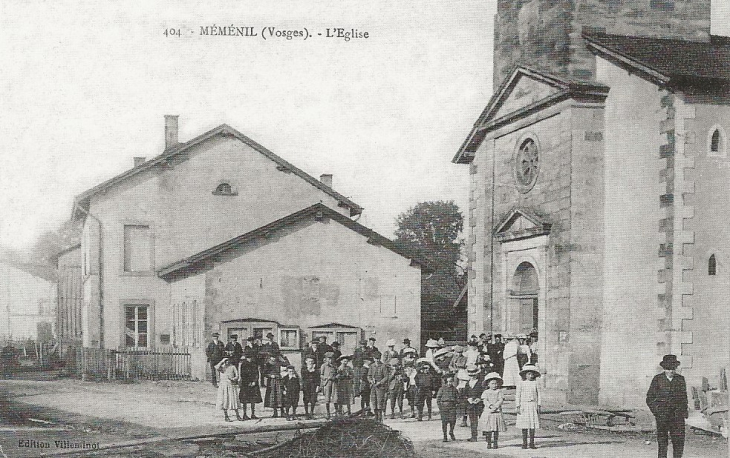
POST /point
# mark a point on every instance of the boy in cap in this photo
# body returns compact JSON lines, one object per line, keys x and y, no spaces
{"x":327,"y":381}
{"x":473,"y":394}
{"x":310,"y":385}
{"x":447,"y":399}
{"x":344,"y":377}
{"x":378,"y":375}
{"x":215,"y":353}
{"x":424,"y":387}
{"x":291,"y":387}
{"x":395,"y":387}
{"x":667,"y":400}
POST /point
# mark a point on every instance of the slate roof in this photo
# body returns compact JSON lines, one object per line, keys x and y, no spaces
{"x":225,"y":130}
{"x":666,"y":60}
{"x":317,"y":211}
{"x":42,"y":271}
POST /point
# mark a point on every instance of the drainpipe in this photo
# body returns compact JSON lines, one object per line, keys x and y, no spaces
{"x":101,"y":273}
{"x":491,"y":246}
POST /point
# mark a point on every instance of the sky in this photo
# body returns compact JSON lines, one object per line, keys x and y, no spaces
{"x":84,"y":87}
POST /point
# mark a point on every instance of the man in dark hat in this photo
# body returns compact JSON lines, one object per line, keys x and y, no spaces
{"x":322,"y":348}
{"x":336,"y":350}
{"x":495,"y":350}
{"x":233,"y":350}
{"x":358,"y":359}
{"x":406,"y":345}
{"x":667,"y":400}
{"x":214,"y":353}
{"x":371,"y":349}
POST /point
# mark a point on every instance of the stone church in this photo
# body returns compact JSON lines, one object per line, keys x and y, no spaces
{"x":599,"y":193}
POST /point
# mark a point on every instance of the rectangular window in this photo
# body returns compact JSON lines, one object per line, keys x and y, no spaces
{"x":137,"y":248}
{"x":289,"y":338}
{"x":136,"y":325}
{"x":389,"y":306}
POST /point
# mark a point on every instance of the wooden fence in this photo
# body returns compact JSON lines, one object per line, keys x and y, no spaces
{"x":104,"y":364}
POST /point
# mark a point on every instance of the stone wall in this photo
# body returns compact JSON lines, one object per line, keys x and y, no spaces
{"x":546,"y":34}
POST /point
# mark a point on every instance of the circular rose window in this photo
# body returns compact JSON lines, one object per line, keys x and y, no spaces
{"x":526,"y":165}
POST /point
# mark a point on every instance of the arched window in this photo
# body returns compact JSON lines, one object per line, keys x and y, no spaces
{"x":716,"y":142}
{"x":712,"y":265}
{"x":224,"y":189}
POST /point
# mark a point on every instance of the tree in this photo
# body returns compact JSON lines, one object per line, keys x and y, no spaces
{"x":435,"y":228}
{"x":51,"y":243}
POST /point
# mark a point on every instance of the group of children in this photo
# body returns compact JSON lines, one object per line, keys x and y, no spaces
{"x":481,"y":399}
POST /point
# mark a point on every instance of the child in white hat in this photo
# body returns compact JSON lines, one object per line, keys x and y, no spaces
{"x":492,"y":421}
{"x":527,"y":401}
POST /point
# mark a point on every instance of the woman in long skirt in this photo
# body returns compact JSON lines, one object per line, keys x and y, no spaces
{"x":511,"y":366}
{"x":274,"y":397}
{"x":249,"y":390}
{"x":227,"y":396}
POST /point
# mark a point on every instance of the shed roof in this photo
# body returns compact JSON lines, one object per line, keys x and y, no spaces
{"x":317,"y":211}
{"x":666,"y":60}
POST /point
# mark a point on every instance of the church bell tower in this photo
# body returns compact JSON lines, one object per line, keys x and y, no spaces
{"x":546,"y":34}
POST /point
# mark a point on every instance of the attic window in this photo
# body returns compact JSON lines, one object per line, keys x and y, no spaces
{"x":225,"y":189}
{"x":716,"y":142}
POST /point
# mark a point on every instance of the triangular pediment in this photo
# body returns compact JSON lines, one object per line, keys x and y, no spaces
{"x":525,"y":90}
{"x":520,"y":223}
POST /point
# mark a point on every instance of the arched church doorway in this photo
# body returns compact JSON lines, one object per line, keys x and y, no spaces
{"x":524,"y":299}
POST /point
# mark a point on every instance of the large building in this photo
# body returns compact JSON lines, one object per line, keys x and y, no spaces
{"x":219,"y":234}
{"x":598,"y":196}
{"x":27,"y":301}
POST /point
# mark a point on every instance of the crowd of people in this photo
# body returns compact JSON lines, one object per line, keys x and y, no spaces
{"x":466,"y":382}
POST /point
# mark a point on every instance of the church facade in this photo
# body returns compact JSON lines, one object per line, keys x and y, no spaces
{"x":598,"y":192}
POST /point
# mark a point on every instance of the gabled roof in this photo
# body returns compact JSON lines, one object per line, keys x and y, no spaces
{"x":520,"y":223}
{"x":334,"y":325}
{"x":41,"y":271}
{"x":318,"y":212}
{"x":225,"y":130}
{"x":665,"y":61}
{"x":564,"y":89}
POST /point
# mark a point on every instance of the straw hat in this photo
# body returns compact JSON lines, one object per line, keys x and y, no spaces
{"x":432,"y":344}
{"x":329,"y":354}
{"x":441,"y":352}
{"x":458,"y":349}
{"x":409,"y":350}
{"x":521,"y":336}
{"x":390,"y":343}
{"x":530,"y":368}
{"x":347,"y":357}
{"x":420,"y":361}
{"x":463,"y":376}
{"x":492,"y":376}
{"x":472,"y":369}
{"x":393,"y":362}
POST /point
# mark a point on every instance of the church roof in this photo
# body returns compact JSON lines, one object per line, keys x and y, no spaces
{"x":666,"y":61}
{"x":82,"y":200}
{"x":556,"y":89}
{"x":318,"y":212}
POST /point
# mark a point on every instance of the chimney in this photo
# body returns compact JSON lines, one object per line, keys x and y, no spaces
{"x":139,"y":160}
{"x":326,"y":179}
{"x":170,"y":131}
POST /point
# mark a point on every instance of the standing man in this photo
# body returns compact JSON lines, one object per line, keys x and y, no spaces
{"x":322,"y":349}
{"x":495,"y":350}
{"x":233,"y":350}
{"x":214,"y":353}
{"x":406,"y":346}
{"x":358,"y":361}
{"x":371,"y":349}
{"x":336,"y":351}
{"x":378,"y":375}
{"x":390,"y":353}
{"x":667,"y":400}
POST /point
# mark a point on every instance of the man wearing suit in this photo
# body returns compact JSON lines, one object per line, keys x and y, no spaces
{"x":214,"y":352}
{"x":667,"y":400}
